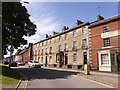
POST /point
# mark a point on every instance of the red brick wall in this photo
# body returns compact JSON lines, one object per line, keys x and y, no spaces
{"x":97,"y":41}
{"x":26,"y":56}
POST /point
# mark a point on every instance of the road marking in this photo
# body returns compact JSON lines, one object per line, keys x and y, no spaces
{"x":95,"y":81}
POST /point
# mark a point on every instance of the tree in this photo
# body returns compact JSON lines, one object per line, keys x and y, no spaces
{"x":15,"y":24}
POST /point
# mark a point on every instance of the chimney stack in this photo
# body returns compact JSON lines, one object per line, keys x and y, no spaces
{"x":46,"y":36}
{"x":64,"y":28}
{"x":30,"y":45}
{"x":78,"y":22}
{"x":99,"y":18}
{"x":54,"y":33}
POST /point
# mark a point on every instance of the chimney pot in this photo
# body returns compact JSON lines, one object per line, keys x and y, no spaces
{"x":65,"y":28}
{"x":78,"y":22}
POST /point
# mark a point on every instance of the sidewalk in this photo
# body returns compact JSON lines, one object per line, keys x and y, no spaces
{"x":110,"y":79}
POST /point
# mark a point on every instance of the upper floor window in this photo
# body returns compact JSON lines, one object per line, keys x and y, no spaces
{"x":38,"y":52}
{"x":42,"y":51}
{"x":84,"y":31}
{"x":84,"y":43}
{"x":60,"y":37}
{"x":42,"y":44}
{"x":35,"y":52}
{"x":50,"y":41}
{"x":74,"y":45}
{"x":74,"y":33}
{"x":46,"y":42}
{"x":105,"y":29}
{"x":50,"y":49}
{"x":60,"y":47}
{"x":106,"y":42}
{"x":66,"y":46}
{"x":66,"y":36}
{"x":46,"y":50}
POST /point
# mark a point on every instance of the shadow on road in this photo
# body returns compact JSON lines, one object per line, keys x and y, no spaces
{"x":41,"y":73}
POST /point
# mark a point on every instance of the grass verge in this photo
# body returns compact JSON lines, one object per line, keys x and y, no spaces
{"x":9,"y":77}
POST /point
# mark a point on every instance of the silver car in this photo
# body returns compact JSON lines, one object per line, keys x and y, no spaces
{"x":34,"y":64}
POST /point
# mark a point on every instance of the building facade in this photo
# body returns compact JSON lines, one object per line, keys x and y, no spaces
{"x":24,"y":55}
{"x":95,"y":44}
{"x":67,"y":49}
{"x":104,"y":43}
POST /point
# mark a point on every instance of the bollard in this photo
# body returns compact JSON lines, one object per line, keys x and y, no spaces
{"x":86,"y":69}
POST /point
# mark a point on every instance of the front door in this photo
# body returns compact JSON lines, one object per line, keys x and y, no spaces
{"x":46,"y":61}
{"x":85,"y":57}
{"x":66,"y":59}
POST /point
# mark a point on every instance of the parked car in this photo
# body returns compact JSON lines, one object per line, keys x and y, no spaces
{"x":20,"y":63}
{"x":5,"y":62}
{"x":34,"y":64}
{"x":13,"y":64}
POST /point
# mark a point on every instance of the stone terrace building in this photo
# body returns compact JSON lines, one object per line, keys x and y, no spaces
{"x":104,"y":43}
{"x":67,"y":49}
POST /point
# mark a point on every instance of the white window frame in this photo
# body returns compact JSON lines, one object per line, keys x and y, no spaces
{"x":106,"y":42}
{"x":105,"y":29}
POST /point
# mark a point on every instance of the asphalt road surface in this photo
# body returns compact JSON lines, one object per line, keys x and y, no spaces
{"x":48,"y":78}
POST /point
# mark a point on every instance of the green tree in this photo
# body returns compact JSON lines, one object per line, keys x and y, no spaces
{"x":15,"y":24}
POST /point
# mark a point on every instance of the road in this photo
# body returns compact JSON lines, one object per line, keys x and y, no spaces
{"x":49,"y":78}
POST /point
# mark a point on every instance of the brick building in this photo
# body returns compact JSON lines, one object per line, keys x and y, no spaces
{"x":25,"y":54}
{"x":67,"y":49}
{"x":94,"y":43}
{"x":104,"y":39}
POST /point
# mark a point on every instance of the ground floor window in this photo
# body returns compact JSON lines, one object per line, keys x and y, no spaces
{"x":104,"y":59}
{"x":74,"y":57}
{"x":41,"y":59}
{"x":38,"y":59}
{"x":50,"y":59}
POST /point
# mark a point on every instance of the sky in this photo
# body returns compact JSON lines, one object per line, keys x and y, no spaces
{"x":51,"y":16}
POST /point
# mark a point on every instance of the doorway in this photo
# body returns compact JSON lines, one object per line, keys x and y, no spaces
{"x":46,"y":61}
{"x":85,"y":57}
{"x":66,"y":59}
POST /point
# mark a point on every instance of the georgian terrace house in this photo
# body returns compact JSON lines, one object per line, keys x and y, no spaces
{"x":68,"y":48}
{"x":104,"y":36}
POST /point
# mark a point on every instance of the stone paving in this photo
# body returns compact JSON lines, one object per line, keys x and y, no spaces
{"x":110,"y":79}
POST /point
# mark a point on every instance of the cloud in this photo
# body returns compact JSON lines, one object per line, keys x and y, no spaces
{"x":45,"y":17}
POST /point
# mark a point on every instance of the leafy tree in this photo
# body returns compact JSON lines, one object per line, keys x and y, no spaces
{"x":15,"y":24}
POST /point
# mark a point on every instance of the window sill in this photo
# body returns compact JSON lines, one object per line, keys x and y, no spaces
{"x":107,"y":47}
{"x":105,"y":65}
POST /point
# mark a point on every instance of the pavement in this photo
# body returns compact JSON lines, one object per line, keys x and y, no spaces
{"x":106,"y":79}
{"x":110,"y":79}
